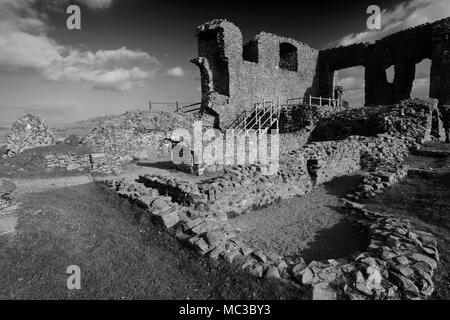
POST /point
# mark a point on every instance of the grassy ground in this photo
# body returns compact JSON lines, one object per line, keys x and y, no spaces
{"x":310,"y":226}
{"x":426,"y":201}
{"x":119,"y":259}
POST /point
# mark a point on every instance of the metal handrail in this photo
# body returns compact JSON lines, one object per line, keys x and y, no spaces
{"x":273,"y":120}
{"x":258,"y":110}
{"x":238,"y":118}
{"x":255,"y":117}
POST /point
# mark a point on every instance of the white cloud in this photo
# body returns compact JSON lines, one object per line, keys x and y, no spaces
{"x":22,"y":28}
{"x":119,"y":70}
{"x":405,"y":15}
{"x":97,"y":4}
{"x":175,"y":72}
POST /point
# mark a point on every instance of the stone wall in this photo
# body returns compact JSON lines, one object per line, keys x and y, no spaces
{"x":403,"y":50}
{"x":297,"y":117}
{"x":95,"y":162}
{"x":330,"y":159}
{"x":239,"y":190}
{"x":137,"y":134}
{"x":6,"y":189}
{"x":416,"y":120}
{"x":235,"y":76}
{"x":327,"y":160}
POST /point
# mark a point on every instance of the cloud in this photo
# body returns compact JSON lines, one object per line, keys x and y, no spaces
{"x":22,"y":28}
{"x":63,"y":4}
{"x":405,"y":15}
{"x":97,"y":4}
{"x":175,"y":72}
{"x":118,"y":70}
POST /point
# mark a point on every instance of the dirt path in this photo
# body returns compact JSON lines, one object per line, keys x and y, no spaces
{"x":310,"y":226}
{"x":25,"y":186}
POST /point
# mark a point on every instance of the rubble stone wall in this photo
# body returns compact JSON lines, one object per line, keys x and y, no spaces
{"x":28,"y":132}
{"x":239,"y":190}
{"x":399,"y":263}
{"x":235,"y":76}
{"x":417,"y":120}
{"x":6,"y":189}
{"x":95,"y":162}
{"x":137,"y":134}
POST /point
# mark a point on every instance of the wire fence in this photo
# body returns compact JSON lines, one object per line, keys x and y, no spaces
{"x":179,"y":107}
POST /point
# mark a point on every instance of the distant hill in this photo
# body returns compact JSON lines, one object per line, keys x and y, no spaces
{"x":3,"y":133}
{"x":81,"y":127}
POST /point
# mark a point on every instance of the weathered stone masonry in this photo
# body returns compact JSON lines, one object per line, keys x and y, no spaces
{"x":403,"y":50}
{"x":235,"y":75}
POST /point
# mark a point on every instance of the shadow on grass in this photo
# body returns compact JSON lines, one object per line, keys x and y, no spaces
{"x":167,"y":165}
{"x":341,"y":186}
{"x":339,"y":241}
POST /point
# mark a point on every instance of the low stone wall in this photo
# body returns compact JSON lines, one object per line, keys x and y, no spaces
{"x":6,"y":189}
{"x":295,"y":140}
{"x":297,"y":117}
{"x":327,"y":160}
{"x":375,"y":181}
{"x":95,"y":162}
{"x":330,"y":159}
{"x":413,"y":120}
{"x":239,"y":190}
{"x":242,"y":188}
{"x":398,"y":264}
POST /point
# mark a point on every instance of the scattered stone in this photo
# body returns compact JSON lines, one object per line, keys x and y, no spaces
{"x":323,"y":291}
{"x":257,"y":271}
{"x":272,"y":272}
{"x":423,"y":258}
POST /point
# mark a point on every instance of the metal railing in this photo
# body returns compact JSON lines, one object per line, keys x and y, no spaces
{"x":262,"y":117}
{"x":320,"y":101}
{"x":267,"y":113}
{"x":176,"y":106}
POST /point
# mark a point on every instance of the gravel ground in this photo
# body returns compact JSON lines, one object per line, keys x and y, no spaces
{"x":309,"y":226}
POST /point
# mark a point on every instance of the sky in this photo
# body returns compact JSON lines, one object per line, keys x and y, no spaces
{"x":131,"y":51}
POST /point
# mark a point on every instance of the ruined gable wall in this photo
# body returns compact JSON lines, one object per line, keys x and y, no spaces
{"x":231,"y":84}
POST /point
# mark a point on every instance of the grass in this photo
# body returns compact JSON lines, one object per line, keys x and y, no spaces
{"x":426,"y":201}
{"x":119,"y":259}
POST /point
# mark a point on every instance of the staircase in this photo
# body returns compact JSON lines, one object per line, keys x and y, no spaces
{"x":260,"y":119}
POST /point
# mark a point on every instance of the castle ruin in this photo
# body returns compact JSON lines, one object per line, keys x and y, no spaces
{"x":235,"y":75}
